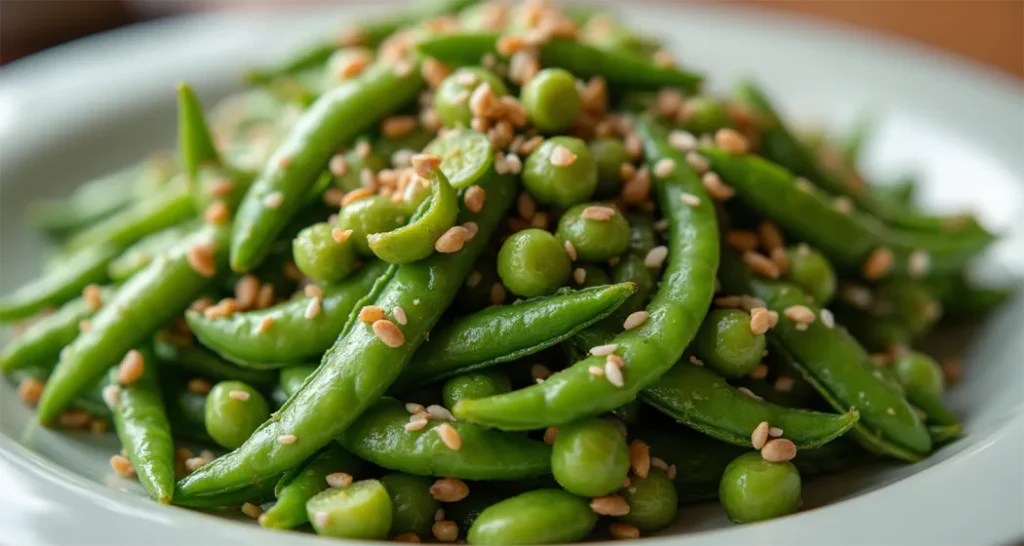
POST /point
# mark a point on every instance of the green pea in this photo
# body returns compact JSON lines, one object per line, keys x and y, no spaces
{"x":451,"y":101}
{"x":292,"y":378}
{"x":594,"y":240}
{"x":726,"y":344}
{"x":593,"y":275}
{"x":572,"y":181}
{"x":813,"y":272}
{"x":653,"y":501}
{"x":412,"y":505}
{"x":233,"y":411}
{"x":533,"y":263}
{"x":705,"y":115}
{"x":919,"y":372}
{"x":753,"y":489}
{"x":374,"y":214}
{"x":590,"y":457}
{"x":322,"y":258}
{"x":361,"y":510}
{"x":631,"y":268}
{"x":609,"y":155}
{"x":358,"y":158}
{"x":551,"y":100}
{"x":911,"y":302}
{"x":477,"y":291}
{"x":475,"y":385}
{"x":543,"y":516}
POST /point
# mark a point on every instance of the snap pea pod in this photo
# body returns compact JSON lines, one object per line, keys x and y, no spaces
{"x":704,"y":401}
{"x":943,"y":434}
{"x":256,"y":492}
{"x":140,"y":254}
{"x":415,"y":240}
{"x":291,"y":337}
{"x":848,"y":238}
{"x":338,"y":116}
{"x":380,"y":437}
{"x":148,"y":300}
{"x":544,"y":516}
{"x":675,"y":313}
{"x":204,"y":363}
{"x":143,"y":429}
{"x":41,"y":343}
{"x":297,"y":487}
{"x":485,"y":338}
{"x":292,"y":379}
{"x":169,"y":206}
{"x":81,"y":269}
{"x":310,"y":57}
{"x":899,"y":193}
{"x":616,"y":66}
{"x":360,"y":367}
{"x":837,"y":366}
{"x":874,"y":333}
{"x":194,"y":141}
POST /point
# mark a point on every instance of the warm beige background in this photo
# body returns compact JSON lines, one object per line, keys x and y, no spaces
{"x":988,"y":31}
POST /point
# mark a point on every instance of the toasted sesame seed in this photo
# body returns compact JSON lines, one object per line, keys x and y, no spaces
{"x":878,"y":264}
{"x":571,"y":251}
{"x":474,"y":278}
{"x":769,"y":235}
{"x":287,"y":439}
{"x":697,"y":162}
{"x":731,"y":141}
{"x":531,"y":145}
{"x":639,"y":458}
{"x":604,"y":350}
{"x":623,"y":531}
{"x":635,"y":319}
{"x":131,"y":368}
{"x":356,"y":195}
{"x":445,"y":531}
{"x":338,"y":165}
{"x":435,"y":411}
{"x":339,"y":479}
{"x":449,"y":490}
{"x":400,"y":316}
{"x":615,"y":360}
{"x":775,"y":432}
{"x":122,"y":466}
{"x":474,"y":198}
{"x":312,"y":308}
{"x":273,"y":199}
{"x":513,"y":164}
{"x":386,"y":331}
{"x":610,"y":505}
{"x":415,"y":424}
{"x":562,"y":157}
{"x":659,"y":463}
{"x":251,"y":510}
{"x":759,"y":437}
{"x":340,"y":235}
{"x":198,"y":385}
{"x":918,"y":263}
{"x":827,"y":318}
{"x":761,"y":265}
{"x":398,"y":126}
{"x":497,"y":293}
{"x":371,"y":313}
{"x":696,"y":361}
{"x":664,"y":167}
{"x":717,"y":190}
{"x":689,"y":199}
{"x":284,"y":162}
{"x":759,"y":372}
{"x":368,"y":181}
{"x":410,"y":536}
{"x":799,"y":313}
{"x":222,"y":187}
{"x":742,"y":240}
{"x":200,"y":259}
{"x":596,"y":371}
{"x":784,"y":384}
{"x":614,"y":374}
{"x":91,"y":295}
{"x":778,"y":450}
{"x":449,"y":436}
{"x":550,"y":434}
{"x":750,"y":393}
{"x":217,"y":213}
{"x":321,"y":519}
{"x":656,"y":257}
{"x":579,"y":275}
{"x":682,"y":140}
{"x":30,"y":389}
{"x":526,"y":207}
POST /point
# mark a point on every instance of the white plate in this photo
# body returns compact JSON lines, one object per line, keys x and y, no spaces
{"x":90,"y":106}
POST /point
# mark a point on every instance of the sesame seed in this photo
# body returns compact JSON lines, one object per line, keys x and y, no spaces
{"x":222,"y":187}
{"x":778,"y":450}
{"x":449,"y":490}
{"x":759,"y":372}
{"x":615,"y":360}
{"x":614,"y":374}
{"x":452,"y":240}
{"x":474,"y":198}
{"x":656,"y":257}
{"x":561,"y":157}
{"x":273,"y":199}
{"x":338,"y":479}
{"x":717,"y":189}
{"x":827,"y":318}
{"x":251,"y":510}
{"x":623,"y":531}
{"x":287,"y":439}
{"x":111,"y":394}
{"x":449,"y":436}
{"x":659,"y":463}
{"x":635,"y":319}
{"x":371,"y":313}
{"x":321,"y":519}
{"x":610,"y":505}
{"x":731,"y":141}
{"x":799,"y":313}
{"x":356,"y":195}
{"x":742,"y":240}
{"x":413,"y":407}
{"x":513,"y":164}
{"x":400,"y":316}
{"x":689,"y":199}
{"x":497,"y":293}
{"x":445,"y":531}
{"x":91,"y":295}
{"x":571,"y":251}
{"x":761,"y":264}
{"x":775,"y":432}
{"x":338,"y":165}
{"x":550,"y":434}
{"x":84,"y":325}
{"x":697,"y":162}
{"x":386,"y":331}
{"x":122,"y":466}
{"x":639,"y":458}
{"x":918,"y":263}
{"x":410,"y":536}
{"x":200,"y":259}
{"x":312,"y":308}
{"x":579,"y":275}
{"x":284,"y":162}
{"x":784,"y":384}
{"x":843,"y":205}
{"x":131,"y":368}
{"x":415,"y":424}
{"x":696,"y":361}
{"x":217,"y":213}
{"x":531,"y":145}
{"x":604,"y":350}
{"x":239,"y":395}
{"x":660,"y":225}
{"x":474,"y":278}
{"x":398,"y":126}
{"x":759,"y":437}
{"x":596,"y":371}
{"x":198,"y":385}
{"x":440,"y":413}
{"x":368,"y":181}
{"x":878,"y":264}
{"x":856,"y":295}
{"x":750,"y":393}
{"x":671,"y":473}
{"x":340,"y":235}
{"x":664,"y":167}
{"x":526,"y":207}
{"x":31,"y":389}
{"x":682,"y":140}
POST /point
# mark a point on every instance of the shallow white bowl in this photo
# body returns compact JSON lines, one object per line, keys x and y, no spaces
{"x":90,"y":106}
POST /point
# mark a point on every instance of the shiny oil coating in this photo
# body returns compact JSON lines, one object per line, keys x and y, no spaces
{"x":359,"y":367}
{"x":61,"y":285}
{"x":379,"y":436}
{"x":337,"y":117}
{"x":291,"y":338}
{"x":704,"y":401}
{"x":149,"y":299}
{"x":649,"y":350}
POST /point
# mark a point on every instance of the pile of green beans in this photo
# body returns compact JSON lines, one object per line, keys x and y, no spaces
{"x":453,"y":276}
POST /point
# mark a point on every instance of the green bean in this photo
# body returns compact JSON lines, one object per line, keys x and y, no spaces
{"x":291,"y":337}
{"x":648,"y":350}
{"x":617,"y":67}
{"x":81,"y":269}
{"x":203,"y":362}
{"x":361,"y":510}
{"x":254,"y":491}
{"x":380,"y":436}
{"x":194,"y":141}
{"x":544,"y":516}
{"x":296,"y":488}
{"x":754,"y":489}
{"x":141,"y":422}
{"x":475,"y":385}
{"x":42,"y":341}
{"x":590,"y":457}
{"x":418,"y":239}
{"x":142,"y":305}
{"x":413,"y":505}
{"x":705,"y":402}
{"x":335,"y":118}
{"x":167,"y":207}
{"x":653,"y":501}
{"x":140,"y":254}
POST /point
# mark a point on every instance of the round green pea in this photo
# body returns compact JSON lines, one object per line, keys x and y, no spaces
{"x":322,"y":258}
{"x":726,"y":344}
{"x":753,"y":489}
{"x":594,"y":240}
{"x":233,"y":411}
{"x":572,"y":181}
{"x":919,"y":372}
{"x":361,"y":510}
{"x":412,"y":505}
{"x":593,"y":275}
{"x":543,"y":516}
{"x":705,"y":115}
{"x":475,"y":385}
{"x":590,"y":457}
{"x":451,"y":101}
{"x":551,"y":100}
{"x":374,"y":214}
{"x":533,"y":263}
{"x":813,"y":272}
{"x":609,"y":155}
{"x":653,"y":501}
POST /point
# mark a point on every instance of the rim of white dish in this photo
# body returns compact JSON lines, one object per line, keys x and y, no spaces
{"x":930,"y":505}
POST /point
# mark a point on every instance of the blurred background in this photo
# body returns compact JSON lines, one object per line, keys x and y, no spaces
{"x":990,"y":32}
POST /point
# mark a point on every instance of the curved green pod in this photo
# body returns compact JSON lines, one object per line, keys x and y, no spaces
{"x":294,"y":489}
{"x":416,"y":240}
{"x":380,"y":437}
{"x":167,"y":207}
{"x":85,"y":267}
